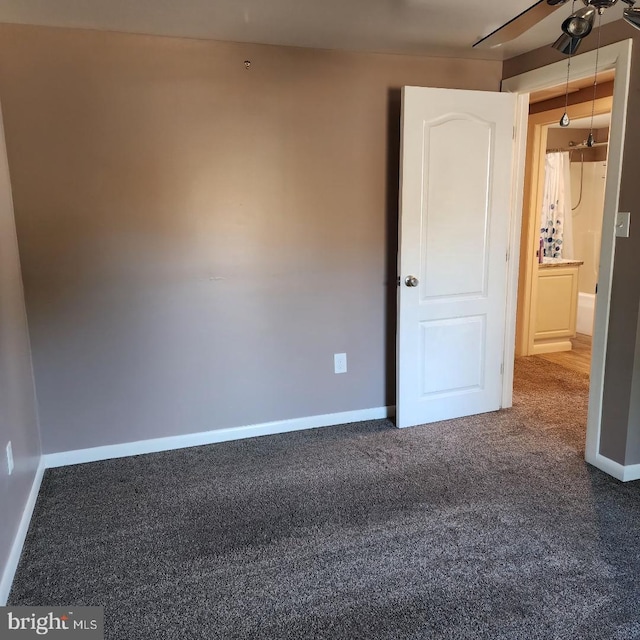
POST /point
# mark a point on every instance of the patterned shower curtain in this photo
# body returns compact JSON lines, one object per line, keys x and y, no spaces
{"x":555,"y":221}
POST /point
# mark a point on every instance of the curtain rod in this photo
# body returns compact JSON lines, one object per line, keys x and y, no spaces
{"x":577,"y":147}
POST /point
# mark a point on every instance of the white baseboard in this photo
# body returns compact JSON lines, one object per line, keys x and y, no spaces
{"x":93,"y":454}
{"x":21,"y":534}
{"x":631,"y":472}
{"x":155,"y":445}
{"x":624,"y":473}
{"x":551,"y":347}
{"x":165,"y":444}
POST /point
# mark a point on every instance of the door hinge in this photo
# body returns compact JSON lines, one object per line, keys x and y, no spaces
{"x":398,"y":280}
{"x":513,"y":137}
{"x":502,"y":369}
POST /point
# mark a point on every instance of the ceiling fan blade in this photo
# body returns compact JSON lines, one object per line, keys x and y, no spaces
{"x":522,"y":22}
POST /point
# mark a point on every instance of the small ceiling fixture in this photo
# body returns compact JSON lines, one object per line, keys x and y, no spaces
{"x":580,"y":23}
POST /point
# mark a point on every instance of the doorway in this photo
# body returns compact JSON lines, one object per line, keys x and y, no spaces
{"x":587,"y":172}
{"x":615,"y":57}
{"x":562,"y":224}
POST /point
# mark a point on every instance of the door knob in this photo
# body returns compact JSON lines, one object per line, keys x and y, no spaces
{"x":411,"y":281}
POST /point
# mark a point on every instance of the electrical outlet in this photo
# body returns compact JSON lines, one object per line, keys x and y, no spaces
{"x":9,"y":458}
{"x":340,"y":362}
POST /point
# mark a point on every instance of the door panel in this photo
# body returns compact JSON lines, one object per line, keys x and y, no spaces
{"x":456,"y":170}
{"x":454,"y":262}
{"x":461,"y":339}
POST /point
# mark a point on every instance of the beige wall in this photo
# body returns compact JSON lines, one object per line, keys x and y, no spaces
{"x":565,"y":138}
{"x":197,"y":239}
{"x":588,"y":172}
{"x":620,"y":438}
{"x":18,"y":415}
{"x":587,"y":219}
{"x":538,"y":104}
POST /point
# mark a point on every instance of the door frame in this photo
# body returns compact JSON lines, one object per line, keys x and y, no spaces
{"x":615,"y":56}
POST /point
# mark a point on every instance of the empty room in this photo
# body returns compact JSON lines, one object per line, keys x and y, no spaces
{"x":292,"y":337}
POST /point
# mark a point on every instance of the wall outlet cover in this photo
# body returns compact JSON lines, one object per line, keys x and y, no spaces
{"x":340,"y":362}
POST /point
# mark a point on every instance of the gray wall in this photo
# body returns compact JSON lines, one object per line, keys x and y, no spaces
{"x":18,"y":416}
{"x":197,"y":239}
{"x":620,"y":438}
{"x":633,"y":433}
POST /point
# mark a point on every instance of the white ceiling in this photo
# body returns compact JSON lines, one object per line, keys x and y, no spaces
{"x":421,"y":27}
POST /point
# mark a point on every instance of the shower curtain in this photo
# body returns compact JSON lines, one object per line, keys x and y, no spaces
{"x":555,"y":222}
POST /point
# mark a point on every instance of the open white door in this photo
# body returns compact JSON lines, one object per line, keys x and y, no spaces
{"x":455,"y":199}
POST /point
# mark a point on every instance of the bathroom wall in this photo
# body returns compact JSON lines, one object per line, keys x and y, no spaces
{"x":587,"y":216}
{"x":587,"y":219}
{"x":558,"y":138}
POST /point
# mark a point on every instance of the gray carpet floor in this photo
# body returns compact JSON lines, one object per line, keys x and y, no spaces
{"x":485,"y":527}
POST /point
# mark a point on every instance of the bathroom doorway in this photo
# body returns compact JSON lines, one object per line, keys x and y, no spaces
{"x":562,"y":223}
{"x":587,"y":172}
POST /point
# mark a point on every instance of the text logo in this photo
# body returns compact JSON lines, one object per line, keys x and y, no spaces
{"x":52,"y":622}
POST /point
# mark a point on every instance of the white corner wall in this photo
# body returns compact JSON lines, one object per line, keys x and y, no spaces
{"x":18,"y":413}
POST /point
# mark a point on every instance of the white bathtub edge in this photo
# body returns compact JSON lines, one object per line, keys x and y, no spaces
{"x":586,"y":312}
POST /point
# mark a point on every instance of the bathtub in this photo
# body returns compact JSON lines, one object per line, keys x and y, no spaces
{"x":586,"y":311}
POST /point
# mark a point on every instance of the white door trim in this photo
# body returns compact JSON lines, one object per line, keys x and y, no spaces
{"x":615,"y":56}
{"x":513,"y":261}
